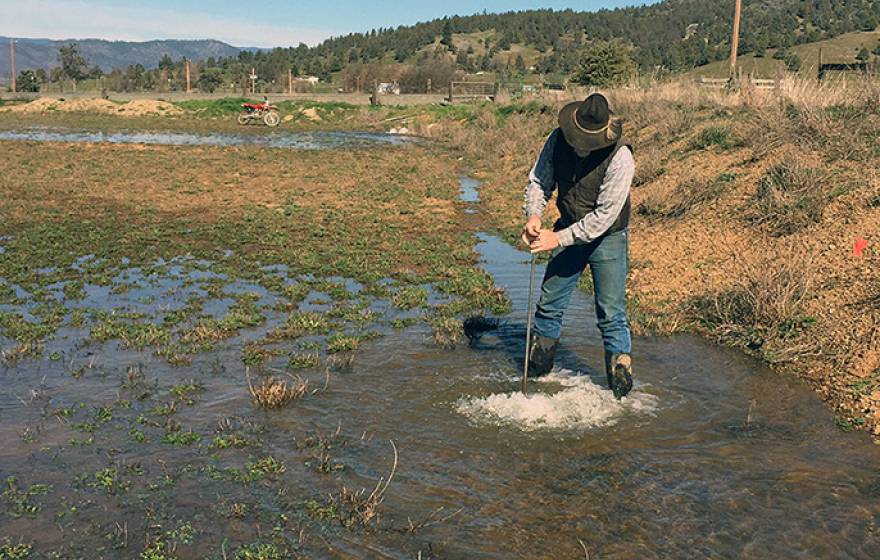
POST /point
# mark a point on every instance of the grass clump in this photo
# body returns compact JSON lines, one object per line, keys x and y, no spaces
{"x":259,"y":551}
{"x":720,"y":136}
{"x":651,"y":166}
{"x":688,"y":196}
{"x":10,"y":551}
{"x":790,"y":198}
{"x":303,"y":360}
{"x":765,"y":310}
{"x":275,"y":393}
{"x":340,"y":342}
{"x":410,"y":297}
{"x":446,"y":331}
{"x":299,"y":324}
{"x":355,"y":508}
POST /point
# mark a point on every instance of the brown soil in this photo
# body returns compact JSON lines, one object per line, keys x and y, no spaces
{"x":311,"y":114}
{"x":136,"y":108}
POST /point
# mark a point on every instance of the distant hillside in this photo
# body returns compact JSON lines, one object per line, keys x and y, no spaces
{"x":844,"y":48}
{"x":663,"y":38}
{"x":672,"y":36}
{"x":43,"y":53}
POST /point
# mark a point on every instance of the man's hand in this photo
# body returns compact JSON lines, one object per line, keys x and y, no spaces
{"x":531,"y":230}
{"x":547,"y":240}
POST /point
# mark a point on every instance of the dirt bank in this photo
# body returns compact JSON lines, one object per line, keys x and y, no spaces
{"x":136,"y":108}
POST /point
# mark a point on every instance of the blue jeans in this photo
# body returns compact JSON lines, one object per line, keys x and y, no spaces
{"x":607,"y":257}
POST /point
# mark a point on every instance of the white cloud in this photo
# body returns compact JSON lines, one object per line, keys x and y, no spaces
{"x":76,"y":19}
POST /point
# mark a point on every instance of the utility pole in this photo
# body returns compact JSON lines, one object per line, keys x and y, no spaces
{"x":253,"y":81}
{"x":734,"y":43}
{"x":289,"y":81}
{"x":12,"y":65}
{"x":188,"y":84}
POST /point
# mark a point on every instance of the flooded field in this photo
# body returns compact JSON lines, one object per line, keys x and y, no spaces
{"x":319,"y":140}
{"x":131,"y":431}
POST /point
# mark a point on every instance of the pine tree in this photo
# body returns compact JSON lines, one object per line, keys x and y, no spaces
{"x":604,"y":64}
{"x":446,"y":37}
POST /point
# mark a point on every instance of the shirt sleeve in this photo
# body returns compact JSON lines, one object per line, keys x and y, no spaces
{"x":613,"y":195}
{"x":542,"y":179}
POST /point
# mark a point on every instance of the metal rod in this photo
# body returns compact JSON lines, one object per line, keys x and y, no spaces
{"x":525,"y":380}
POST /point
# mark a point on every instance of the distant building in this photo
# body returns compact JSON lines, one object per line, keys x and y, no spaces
{"x":313,"y":80}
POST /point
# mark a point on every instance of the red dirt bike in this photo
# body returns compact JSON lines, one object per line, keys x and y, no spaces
{"x":253,"y":112}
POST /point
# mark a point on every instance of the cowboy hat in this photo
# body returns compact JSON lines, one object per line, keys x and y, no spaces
{"x":588,"y":125}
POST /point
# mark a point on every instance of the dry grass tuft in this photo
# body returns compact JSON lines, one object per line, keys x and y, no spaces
{"x":765,"y":310}
{"x":651,"y":165}
{"x":362,"y":509}
{"x":790,"y":197}
{"x":447,"y":331}
{"x":688,"y":196}
{"x":275,"y":393}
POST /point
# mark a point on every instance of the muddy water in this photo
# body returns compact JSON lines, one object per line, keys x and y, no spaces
{"x":711,"y":457}
{"x":274,"y":139}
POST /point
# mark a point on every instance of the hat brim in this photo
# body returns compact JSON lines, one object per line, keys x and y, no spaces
{"x":585,"y":141}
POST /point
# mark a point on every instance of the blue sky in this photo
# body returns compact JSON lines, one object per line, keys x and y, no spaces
{"x":260,"y":23}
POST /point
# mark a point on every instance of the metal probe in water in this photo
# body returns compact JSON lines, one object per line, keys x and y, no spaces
{"x":525,"y":380}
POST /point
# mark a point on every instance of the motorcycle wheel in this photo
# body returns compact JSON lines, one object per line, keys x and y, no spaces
{"x":272,"y":119}
{"x":244,"y":118}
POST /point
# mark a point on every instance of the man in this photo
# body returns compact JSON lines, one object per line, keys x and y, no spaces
{"x":592,"y":166}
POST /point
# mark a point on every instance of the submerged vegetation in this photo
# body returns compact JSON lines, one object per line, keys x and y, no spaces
{"x":147,"y":276}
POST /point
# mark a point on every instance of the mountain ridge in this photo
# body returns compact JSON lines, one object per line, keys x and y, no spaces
{"x":38,"y":52}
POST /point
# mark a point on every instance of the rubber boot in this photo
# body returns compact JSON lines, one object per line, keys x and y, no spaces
{"x":542,"y":350}
{"x":618,"y":368}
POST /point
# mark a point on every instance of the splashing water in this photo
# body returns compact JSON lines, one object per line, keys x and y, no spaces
{"x":579,"y":405}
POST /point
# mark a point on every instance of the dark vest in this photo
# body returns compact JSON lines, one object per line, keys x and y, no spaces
{"x":579,"y":180}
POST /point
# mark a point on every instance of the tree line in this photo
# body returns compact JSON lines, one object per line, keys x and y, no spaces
{"x":587,"y":47}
